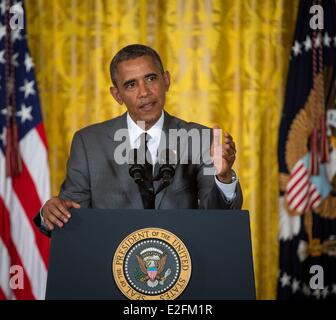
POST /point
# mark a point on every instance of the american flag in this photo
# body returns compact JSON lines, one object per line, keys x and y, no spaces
{"x":306,"y":156}
{"x":24,"y":172}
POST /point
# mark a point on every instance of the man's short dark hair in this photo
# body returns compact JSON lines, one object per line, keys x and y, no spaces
{"x":131,"y":52}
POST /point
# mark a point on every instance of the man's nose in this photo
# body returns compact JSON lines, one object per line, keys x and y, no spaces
{"x":143,"y":90}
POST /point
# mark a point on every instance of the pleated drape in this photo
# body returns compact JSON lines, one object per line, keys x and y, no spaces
{"x":228,"y":60}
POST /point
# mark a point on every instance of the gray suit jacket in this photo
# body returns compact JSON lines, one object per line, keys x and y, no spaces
{"x":95,"y":180}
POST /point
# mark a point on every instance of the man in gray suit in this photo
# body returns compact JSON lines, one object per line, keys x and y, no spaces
{"x":96,"y":180}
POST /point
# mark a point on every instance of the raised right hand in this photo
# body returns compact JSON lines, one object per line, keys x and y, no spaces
{"x":55,"y":212}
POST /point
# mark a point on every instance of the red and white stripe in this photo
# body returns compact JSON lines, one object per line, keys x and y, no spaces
{"x":5,"y":291}
{"x":302,"y":195}
{"x":21,"y":198}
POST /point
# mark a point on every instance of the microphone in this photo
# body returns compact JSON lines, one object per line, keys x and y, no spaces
{"x":136,"y":167}
{"x":167,"y":162}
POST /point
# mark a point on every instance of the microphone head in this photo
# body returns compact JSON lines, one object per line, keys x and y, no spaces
{"x":167,"y":161}
{"x":136,"y":168}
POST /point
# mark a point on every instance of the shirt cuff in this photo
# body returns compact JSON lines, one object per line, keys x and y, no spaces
{"x":43,"y":224}
{"x":228,"y":189}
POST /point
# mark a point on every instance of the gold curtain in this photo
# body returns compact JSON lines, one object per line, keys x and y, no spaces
{"x":228,"y":60}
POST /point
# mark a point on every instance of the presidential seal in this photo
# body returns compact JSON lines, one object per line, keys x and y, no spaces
{"x":151,"y":264}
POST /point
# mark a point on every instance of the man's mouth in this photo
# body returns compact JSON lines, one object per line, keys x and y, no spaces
{"x":147,"y":106}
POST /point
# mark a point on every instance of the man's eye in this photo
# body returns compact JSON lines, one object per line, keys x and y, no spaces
{"x":151,"y":78}
{"x":130,"y":85}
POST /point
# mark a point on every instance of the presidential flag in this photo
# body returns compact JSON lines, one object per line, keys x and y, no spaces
{"x":307,"y":159}
{"x":24,"y":173}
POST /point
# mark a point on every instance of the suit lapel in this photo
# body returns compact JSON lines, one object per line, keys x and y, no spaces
{"x":169,"y":123}
{"x":125,"y":181}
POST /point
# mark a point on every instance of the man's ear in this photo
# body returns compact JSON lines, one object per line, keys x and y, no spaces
{"x":116,"y":95}
{"x":166,"y":79}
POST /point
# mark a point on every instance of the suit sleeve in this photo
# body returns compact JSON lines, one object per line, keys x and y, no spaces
{"x":209,"y":194}
{"x":76,"y":186}
{"x":42,"y":227}
{"x":211,"y":197}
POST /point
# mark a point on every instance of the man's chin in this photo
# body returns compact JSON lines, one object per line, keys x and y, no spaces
{"x":150,"y":118}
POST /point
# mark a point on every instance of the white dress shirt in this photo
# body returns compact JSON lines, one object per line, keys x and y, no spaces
{"x":135,"y":131}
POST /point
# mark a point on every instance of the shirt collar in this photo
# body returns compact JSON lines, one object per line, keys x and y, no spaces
{"x":135,"y":131}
